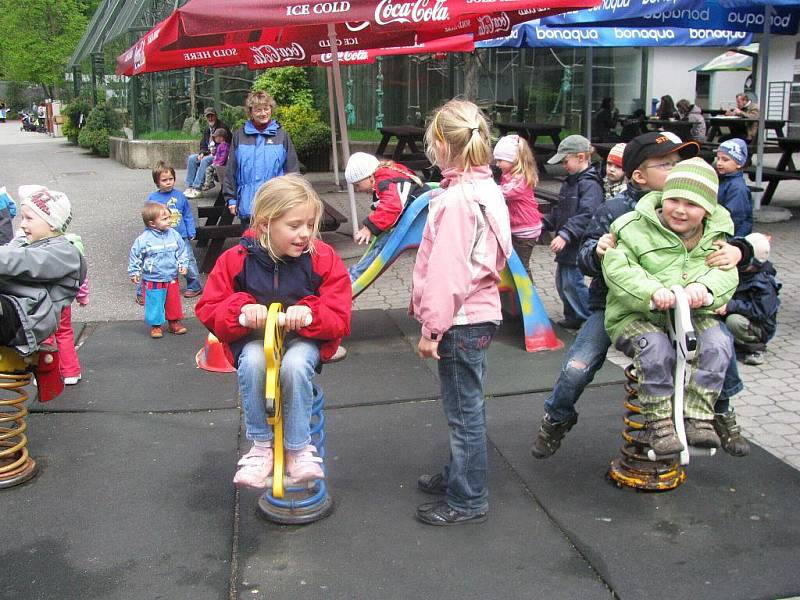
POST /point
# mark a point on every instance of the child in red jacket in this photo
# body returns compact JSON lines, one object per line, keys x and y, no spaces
{"x":393,"y":187}
{"x":279,"y":259}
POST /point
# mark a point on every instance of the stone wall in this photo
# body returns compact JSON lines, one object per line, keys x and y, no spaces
{"x":143,"y":154}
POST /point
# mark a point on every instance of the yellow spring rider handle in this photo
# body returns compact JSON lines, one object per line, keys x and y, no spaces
{"x":273,"y":352}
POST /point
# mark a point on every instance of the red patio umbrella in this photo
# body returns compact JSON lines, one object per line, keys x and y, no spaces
{"x":270,"y":33}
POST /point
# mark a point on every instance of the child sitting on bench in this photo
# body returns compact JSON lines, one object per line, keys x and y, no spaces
{"x":393,"y":187}
{"x":40,"y":272}
{"x":664,"y":242}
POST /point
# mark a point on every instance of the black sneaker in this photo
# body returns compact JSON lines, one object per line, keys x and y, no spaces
{"x":441,"y":513}
{"x":548,"y":440}
{"x":730,"y":434}
{"x":432,"y":484}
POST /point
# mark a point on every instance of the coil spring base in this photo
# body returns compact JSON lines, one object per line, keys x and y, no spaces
{"x":633,"y":469}
{"x":16,"y":465}
{"x":302,"y":505}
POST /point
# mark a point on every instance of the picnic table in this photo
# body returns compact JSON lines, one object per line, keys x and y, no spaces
{"x":531,"y":131}
{"x":786,"y":168}
{"x":219,"y":227}
{"x":406,"y":151}
{"x":683,"y":129}
{"x":739,"y":125}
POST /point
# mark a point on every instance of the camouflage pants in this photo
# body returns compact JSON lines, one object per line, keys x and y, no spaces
{"x":654,"y":361}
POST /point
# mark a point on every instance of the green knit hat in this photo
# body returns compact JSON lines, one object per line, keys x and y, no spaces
{"x":694,"y":180}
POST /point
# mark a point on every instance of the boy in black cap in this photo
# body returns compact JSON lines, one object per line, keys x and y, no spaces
{"x":647,"y":160}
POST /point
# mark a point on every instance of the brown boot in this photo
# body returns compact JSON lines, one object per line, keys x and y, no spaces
{"x":156,"y":332}
{"x":661,"y":437}
{"x":177,"y":327}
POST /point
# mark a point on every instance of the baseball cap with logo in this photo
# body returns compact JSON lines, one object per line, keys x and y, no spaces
{"x":210,"y":110}
{"x":655,"y":144}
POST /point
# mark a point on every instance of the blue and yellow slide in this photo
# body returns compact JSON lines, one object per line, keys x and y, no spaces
{"x":520,"y":293}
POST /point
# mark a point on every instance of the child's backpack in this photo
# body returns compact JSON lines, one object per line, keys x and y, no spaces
{"x":409,"y":186}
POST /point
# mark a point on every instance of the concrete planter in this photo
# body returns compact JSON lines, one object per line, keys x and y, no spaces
{"x":143,"y":154}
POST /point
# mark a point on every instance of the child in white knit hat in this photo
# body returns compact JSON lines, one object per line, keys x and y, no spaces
{"x":514,"y":158}
{"x":393,"y":187}
{"x":40,"y":271}
{"x":752,"y":313}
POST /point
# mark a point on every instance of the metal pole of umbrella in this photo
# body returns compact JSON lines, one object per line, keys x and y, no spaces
{"x":337,"y":83}
{"x":334,"y":149}
{"x":762,"y":95}
{"x":587,"y":92}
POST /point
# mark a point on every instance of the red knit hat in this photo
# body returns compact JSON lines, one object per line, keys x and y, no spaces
{"x":615,"y":155}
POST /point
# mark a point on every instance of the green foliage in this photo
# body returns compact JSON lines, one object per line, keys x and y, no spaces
{"x":101,"y":122}
{"x":37,"y":38}
{"x":309,"y":134}
{"x":364,"y":135}
{"x":233,"y":116}
{"x":73,"y":111}
{"x":175,"y":134}
{"x":286,"y":85}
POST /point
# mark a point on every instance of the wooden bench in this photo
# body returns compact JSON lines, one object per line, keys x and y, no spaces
{"x":773,"y":177}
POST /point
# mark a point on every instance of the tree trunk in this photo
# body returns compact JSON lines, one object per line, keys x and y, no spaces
{"x":471,"y":76}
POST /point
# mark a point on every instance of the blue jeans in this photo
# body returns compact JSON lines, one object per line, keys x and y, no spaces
{"x":584,"y":358}
{"x":192,"y":270}
{"x":357,"y":269}
{"x":196,"y":173}
{"x":573,"y":292}
{"x":300,"y":361}
{"x":462,"y":372}
{"x":732,"y":384}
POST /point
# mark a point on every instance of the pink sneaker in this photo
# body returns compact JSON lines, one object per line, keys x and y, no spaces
{"x":303,"y":465}
{"x":255,"y":468}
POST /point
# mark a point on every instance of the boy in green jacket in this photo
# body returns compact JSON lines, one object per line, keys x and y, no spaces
{"x":665,"y":242}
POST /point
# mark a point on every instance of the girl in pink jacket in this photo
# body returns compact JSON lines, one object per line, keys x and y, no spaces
{"x":514,"y":158}
{"x":465,"y":244}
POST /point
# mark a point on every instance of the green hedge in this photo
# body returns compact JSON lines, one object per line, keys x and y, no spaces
{"x":101,"y":122}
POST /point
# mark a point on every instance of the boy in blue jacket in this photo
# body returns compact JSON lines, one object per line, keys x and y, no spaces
{"x":580,"y":194}
{"x":156,"y":258}
{"x":752,"y":313}
{"x":181,"y":219}
{"x":733,"y":193}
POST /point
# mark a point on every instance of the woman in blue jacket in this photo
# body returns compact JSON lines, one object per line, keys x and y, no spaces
{"x":259,"y":151}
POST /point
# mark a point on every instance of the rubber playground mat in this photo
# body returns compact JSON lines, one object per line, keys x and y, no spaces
{"x":135,"y":500}
{"x":383,"y":346}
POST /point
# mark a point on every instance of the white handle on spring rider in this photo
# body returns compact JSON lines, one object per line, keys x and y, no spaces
{"x":281,"y":320}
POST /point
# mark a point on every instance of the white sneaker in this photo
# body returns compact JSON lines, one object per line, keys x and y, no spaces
{"x":340,"y":354}
{"x":191,"y":193}
{"x":72,"y":380}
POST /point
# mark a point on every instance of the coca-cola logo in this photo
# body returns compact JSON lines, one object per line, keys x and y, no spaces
{"x":138,"y":56}
{"x":488,"y":25}
{"x":270,"y":55}
{"x":411,"y":12}
{"x":345,"y":56}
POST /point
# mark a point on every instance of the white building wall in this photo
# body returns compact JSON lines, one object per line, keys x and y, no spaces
{"x":668,"y":71}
